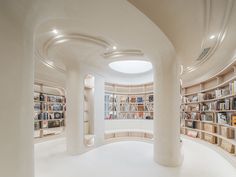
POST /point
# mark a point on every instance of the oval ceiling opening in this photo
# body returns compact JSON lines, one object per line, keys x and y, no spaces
{"x":131,"y":66}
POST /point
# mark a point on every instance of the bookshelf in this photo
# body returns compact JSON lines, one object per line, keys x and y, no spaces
{"x":49,"y":110}
{"x":88,"y":110}
{"x":208,"y":110}
{"x":129,"y":101}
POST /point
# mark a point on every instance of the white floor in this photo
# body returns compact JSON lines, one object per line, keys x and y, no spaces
{"x":127,"y":159}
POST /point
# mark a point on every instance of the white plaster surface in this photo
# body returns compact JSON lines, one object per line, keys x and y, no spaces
{"x":124,"y":124}
{"x":127,"y":159}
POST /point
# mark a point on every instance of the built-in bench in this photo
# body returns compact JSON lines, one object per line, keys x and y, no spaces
{"x":128,"y":133}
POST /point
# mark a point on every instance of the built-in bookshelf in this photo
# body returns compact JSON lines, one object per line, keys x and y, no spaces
{"x":49,"y":111}
{"x":129,"y":101}
{"x":208,"y":110}
{"x":88,"y":110}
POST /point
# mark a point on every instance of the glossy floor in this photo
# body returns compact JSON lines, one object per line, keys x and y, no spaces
{"x":127,"y":159}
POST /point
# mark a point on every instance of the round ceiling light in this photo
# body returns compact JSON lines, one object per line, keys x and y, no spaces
{"x":55,"y":31}
{"x":131,"y":66}
{"x":212,"y":36}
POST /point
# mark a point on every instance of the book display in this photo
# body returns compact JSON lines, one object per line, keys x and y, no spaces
{"x":208,"y":110}
{"x":49,"y":111}
{"x":129,"y":102}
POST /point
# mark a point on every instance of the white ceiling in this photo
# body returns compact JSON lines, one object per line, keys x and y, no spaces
{"x":189,"y":24}
{"x":92,"y":28}
{"x":88,"y":33}
{"x":182,"y":21}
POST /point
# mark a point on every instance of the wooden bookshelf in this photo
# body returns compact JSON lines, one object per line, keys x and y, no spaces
{"x":49,"y":111}
{"x":129,"y":101}
{"x":208,"y":110}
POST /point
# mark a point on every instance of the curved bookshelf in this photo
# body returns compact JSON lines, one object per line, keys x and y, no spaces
{"x":208,"y":110}
{"x":212,"y":88}
{"x":232,"y":141}
{"x":129,"y":101}
{"x":49,"y":111}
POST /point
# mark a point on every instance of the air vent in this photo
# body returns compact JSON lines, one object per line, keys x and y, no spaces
{"x":203,"y":54}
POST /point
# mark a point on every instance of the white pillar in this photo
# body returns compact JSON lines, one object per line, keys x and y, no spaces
{"x":99,"y":122}
{"x":167,"y":147}
{"x":74,"y":110}
{"x":16,"y":105}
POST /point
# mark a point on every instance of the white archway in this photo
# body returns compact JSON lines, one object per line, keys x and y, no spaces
{"x":20,"y":21}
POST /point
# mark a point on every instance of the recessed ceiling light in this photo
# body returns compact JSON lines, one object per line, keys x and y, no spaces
{"x":212,"y":37}
{"x":131,"y":66}
{"x":55,"y":31}
{"x":50,"y":62}
{"x":114,"y":47}
{"x":61,"y":41}
{"x":59,"y":36}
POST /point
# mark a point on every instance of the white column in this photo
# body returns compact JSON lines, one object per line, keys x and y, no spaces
{"x":167,"y":147}
{"x":74,"y":110}
{"x":99,"y":122}
{"x":16,"y":105}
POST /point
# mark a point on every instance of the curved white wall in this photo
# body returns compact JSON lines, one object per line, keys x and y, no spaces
{"x":20,"y":20}
{"x":116,"y":125}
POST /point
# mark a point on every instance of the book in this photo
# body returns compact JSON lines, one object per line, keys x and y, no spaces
{"x":207,"y":117}
{"x":193,"y":134}
{"x":36,"y":96}
{"x":195,"y":98}
{"x":222,"y":118}
{"x":191,"y":124}
{"x":227,"y":104}
{"x":37,"y":107}
{"x":150,"y":98}
{"x":133,"y":99}
{"x":41,"y":97}
{"x":218,"y":93}
{"x":233,"y":120}
{"x":36,"y":125}
{"x":204,"y":107}
{"x":44,"y":124}
{"x":234,"y":103}
{"x":139,"y":99}
{"x":53,"y":124}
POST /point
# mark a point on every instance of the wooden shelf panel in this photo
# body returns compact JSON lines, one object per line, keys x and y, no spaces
{"x":130,"y":93}
{"x":225,"y":110}
{"x":50,"y":120}
{"x":232,"y":141}
{"x":49,"y":102}
{"x":49,"y":94}
{"x":225,"y":83}
{"x":208,"y":122}
{"x":211,"y":100}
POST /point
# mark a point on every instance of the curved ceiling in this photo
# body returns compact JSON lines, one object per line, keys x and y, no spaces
{"x":58,"y":51}
{"x":202,"y":32}
{"x":96,"y":33}
{"x":87,"y":31}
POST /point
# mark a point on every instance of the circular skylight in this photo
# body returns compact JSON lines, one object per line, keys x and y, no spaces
{"x":131,"y":66}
